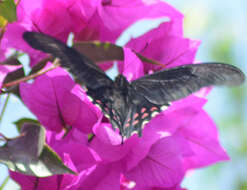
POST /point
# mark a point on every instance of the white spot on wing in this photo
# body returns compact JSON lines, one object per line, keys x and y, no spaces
{"x":163,"y":107}
{"x":134,"y":132}
{"x":98,"y":106}
{"x":144,"y":123}
{"x":90,"y":98}
{"x":154,"y":114}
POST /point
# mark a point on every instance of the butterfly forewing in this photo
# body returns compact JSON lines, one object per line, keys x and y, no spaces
{"x":80,"y":66}
{"x":176,"y":83}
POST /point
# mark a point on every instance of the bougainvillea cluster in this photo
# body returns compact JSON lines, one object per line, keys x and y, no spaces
{"x":181,"y":138}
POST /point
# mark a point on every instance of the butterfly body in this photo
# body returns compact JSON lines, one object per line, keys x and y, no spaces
{"x":124,"y":107}
{"x":130,"y":105}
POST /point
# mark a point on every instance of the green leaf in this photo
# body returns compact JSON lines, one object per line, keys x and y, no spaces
{"x":28,"y":154}
{"x":100,"y":51}
{"x":19,"y":123}
{"x":8,"y":10}
{"x":3,"y":21}
{"x":105,"y":51}
{"x":53,"y":163}
{"x":242,"y":185}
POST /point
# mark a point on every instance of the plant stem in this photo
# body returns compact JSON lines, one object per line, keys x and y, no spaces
{"x":4,"y":183}
{"x":4,"y":108}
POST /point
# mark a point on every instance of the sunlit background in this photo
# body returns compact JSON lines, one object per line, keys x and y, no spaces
{"x":222,"y":27}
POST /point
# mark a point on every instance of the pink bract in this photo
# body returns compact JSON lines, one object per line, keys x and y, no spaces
{"x":114,"y":16}
{"x":57,"y":18}
{"x":166,"y":47}
{"x":168,"y":146}
{"x":57,"y":101}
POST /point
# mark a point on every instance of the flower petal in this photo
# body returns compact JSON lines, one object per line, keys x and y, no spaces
{"x":202,"y":136}
{"x":113,"y":17}
{"x":51,"y":100}
{"x":168,"y":49}
{"x":132,"y":67}
{"x":106,"y":134}
{"x":163,"y":165}
{"x":103,"y":177}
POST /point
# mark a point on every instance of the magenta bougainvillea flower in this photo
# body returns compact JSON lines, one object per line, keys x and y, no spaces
{"x":179,"y":139}
{"x":169,"y":48}
{"x":57,"y":101}
{"x":88,"y":20}
{"x":171,"y":143}
{"x":112,"y":17}
{"x":2,"y":53}
{"x":57,"y":18}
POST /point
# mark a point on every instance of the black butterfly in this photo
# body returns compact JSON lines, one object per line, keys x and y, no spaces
{"x":129,"y":106}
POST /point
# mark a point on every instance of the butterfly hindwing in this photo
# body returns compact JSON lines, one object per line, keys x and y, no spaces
{"x":139,"y":115}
